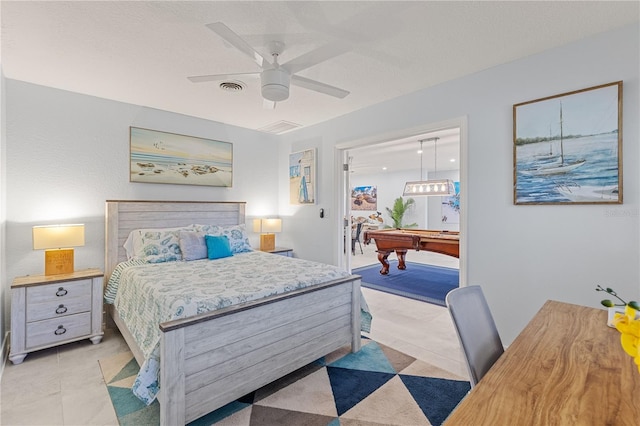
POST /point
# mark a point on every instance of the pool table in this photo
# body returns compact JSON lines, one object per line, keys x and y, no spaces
{"x":402,"y":240}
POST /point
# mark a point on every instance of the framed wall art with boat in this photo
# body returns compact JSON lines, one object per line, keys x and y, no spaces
{"x":161,"y":157}
{"x":567,"y":148}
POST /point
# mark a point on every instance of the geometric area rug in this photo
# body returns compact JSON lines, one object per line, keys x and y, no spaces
{"x":375,"y":386}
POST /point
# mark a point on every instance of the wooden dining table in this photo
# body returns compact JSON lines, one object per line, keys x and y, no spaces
{"x":566,"y":367}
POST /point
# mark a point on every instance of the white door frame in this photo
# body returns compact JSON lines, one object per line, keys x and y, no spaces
{"x":341,"y":154}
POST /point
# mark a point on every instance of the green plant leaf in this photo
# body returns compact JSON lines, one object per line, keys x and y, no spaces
{"x":400,"y":207}
{"x":608,"y":303}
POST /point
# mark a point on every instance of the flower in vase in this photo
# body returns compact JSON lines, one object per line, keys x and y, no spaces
{"x":629,"y":328}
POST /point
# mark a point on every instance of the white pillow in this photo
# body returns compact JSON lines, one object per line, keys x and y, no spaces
{"x":128,"y":246}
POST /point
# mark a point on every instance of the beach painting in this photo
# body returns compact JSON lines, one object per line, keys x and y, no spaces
{"x":568,"y":148}
{"x":302,"y":177}
{"x":364,"y":198}
{"x":161,"y":157}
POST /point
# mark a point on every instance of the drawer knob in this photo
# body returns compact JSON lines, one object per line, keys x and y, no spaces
{"x":61,"y":309}
{"x":60,"y":330}
{"x":61,"y":292}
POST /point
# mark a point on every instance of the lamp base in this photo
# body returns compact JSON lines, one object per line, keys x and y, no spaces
{"x":267,"y":242}
{"x":58,"y":261}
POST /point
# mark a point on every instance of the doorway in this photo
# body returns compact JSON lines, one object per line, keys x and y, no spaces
{"x":397,"y":152}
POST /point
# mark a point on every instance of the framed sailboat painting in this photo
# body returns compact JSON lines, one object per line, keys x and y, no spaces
{"x":567,"y":148}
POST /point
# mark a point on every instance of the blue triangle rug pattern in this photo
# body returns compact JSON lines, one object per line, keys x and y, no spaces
{"x":377,"y":385}
{"x":427,"y":283}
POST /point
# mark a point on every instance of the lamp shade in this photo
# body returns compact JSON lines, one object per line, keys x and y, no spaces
{"x":267,"y":225}
{"x":58,"y":236}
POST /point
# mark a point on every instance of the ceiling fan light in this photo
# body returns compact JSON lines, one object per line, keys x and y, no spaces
{"x":275,"y":84}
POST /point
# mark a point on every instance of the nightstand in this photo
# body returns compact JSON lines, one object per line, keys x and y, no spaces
{"x":49,"y":310}
{"x":282,"y":251}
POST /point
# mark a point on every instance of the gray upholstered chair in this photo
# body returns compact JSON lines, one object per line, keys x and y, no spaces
{"x":356,"y":239}
{"x":476,"y":330}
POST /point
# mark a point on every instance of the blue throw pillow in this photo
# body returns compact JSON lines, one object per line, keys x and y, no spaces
{"x":217,"y":246}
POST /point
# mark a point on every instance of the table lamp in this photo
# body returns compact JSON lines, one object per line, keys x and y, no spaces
{"x":267,"y":227}
{"x":56,"y":240}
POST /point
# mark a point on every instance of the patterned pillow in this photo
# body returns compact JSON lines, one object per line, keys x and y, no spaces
{"x":238,"y":239}
{"x":192,"y":245}
{"x":208,"y":229}
{"x":156,"y":245}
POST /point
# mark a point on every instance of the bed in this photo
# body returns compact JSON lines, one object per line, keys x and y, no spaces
{"x":212,"y":358}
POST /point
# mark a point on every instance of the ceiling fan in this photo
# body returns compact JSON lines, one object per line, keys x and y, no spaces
{"x":275,"y":78}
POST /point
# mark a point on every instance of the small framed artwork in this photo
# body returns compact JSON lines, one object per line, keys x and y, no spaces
{"x":567,"y":148}
{"x":451,"y":206}
{"x":302,"y":177}
{"x":364,"y":198}
{"x":161,"y":157}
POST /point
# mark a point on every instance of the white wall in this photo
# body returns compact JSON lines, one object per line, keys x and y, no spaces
{"x":426,"y":212}
{"x":521,"y":255}
{"x":67,"y":153}
{"x":4,"y":294}
{"x":390,"y":186}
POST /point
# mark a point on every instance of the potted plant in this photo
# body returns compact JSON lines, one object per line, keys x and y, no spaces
{"x":611,"y":304}
{"x":400,"y":207}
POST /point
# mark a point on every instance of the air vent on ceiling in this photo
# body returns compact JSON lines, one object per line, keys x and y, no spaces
{"x":279,"y":127}
{"x":232,"y":86}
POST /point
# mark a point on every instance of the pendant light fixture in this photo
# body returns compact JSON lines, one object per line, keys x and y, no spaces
{"x":430,"y":186}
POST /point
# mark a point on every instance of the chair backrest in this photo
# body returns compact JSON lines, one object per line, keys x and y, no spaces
{"x":358,"y":230}
{"x":476,"y":330}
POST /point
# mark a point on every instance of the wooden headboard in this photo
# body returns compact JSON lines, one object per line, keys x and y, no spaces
{"x":122,"y":217}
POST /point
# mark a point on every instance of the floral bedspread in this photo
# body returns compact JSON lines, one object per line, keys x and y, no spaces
{"x":183,"y":289}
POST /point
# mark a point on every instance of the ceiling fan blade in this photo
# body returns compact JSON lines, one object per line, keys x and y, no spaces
{"x":266,"y":104}
{"x":318,"y":87}
{"x":314,"y":57}
{"x":236,"y":41}
{"x":217,"y":77}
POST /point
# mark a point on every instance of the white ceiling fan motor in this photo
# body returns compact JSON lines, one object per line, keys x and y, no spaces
{"x":275,"y":81}
{"x":275,"y":84}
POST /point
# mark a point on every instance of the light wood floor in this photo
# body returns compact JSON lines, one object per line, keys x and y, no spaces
{"x":416,"y":328}
{"x":64,"y":385}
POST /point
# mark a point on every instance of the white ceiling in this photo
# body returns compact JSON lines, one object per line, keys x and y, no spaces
{"x":142,"y":52}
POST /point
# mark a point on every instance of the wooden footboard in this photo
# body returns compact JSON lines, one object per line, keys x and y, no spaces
{"x":215,"y":358}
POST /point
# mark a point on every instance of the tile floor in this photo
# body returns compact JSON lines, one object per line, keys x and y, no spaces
{"x":64,"y":385}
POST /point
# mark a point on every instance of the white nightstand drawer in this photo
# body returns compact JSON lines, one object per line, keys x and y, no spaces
{"x":55,"y":330}
{"x":59,"y":291}
{"x":58,"y":308}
